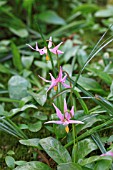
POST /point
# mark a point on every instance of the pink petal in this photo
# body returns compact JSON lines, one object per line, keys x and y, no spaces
{"x":53,"y":121}
{"x":52,"y":78}
{"x":55,"y":49}
{"x":58,"y":112}
{"x":72,"y":111}
{"x":64,"y":78}
{"x":59,"y":52}
{"x":76,"y":122}
{"x":50,"y":42}
{"x":110,"y":153}
{"x":37,"y":49}
{"x":31,"y":47}
{"x":65,"y":106}
{"x":52,"y":85}
{"x":60,"y":74}
{"x":65,"y":85}
{"x":44,"y":79}
{"x":42,"y":51}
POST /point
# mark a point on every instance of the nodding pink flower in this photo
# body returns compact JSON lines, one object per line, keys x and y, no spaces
{"x":65,"y":118}
{"x":44,"y":50}
{"x":109,"y":153}
{"x":54,"y":82}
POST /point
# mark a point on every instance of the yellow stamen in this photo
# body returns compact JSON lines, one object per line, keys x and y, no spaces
{"x":67,"y":129}
{"x":47,"y":58}
{"x":55,"y":88}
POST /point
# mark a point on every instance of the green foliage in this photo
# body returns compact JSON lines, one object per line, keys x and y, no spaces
{"x":85,"y":28}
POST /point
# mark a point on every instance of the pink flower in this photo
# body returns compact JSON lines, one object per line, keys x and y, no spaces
{"x":65,"y":118}
{"x":109,"y":153}
{"x":54,"y":82}
{"x":44,"y":50}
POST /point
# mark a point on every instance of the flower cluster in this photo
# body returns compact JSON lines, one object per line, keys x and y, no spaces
{"x":65,"y":118}
{"x":44,"y":49}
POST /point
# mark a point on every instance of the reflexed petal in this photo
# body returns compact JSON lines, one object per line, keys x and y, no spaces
{"x":37,"y":49}
{"x":65,"y":106}
{"x":58,"y":112}
{"x":55,"y":49}
{"x":50,"y":42}
{"x":44,"y":79}
{"x":53,"y":121}
{"x":72,"y":111}
{"x":60,"y":74}
{"x":65,"y":85}
{"x":64,"y":79}
{"x":31,"y":47}
{"x":76,"y":122}
{"x":52,"y":78}
{"x":110,"y":153}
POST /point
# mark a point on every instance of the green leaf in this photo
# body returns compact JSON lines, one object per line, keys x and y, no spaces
{"x":16,"y":57}
{"x":27,"y":61}
{"x":90,"y":84}
{"x":20,"y":163}
{"x":17,"y":87}
{"x":105,"y":12}
{"x":69,"y":166}
{"x":104,"y":164}
{"x":40,"y":97}
{"x":40,"y":115}
{"x":27,"y":106}
{"x":34,"y":165}
{"x":86,"y":8}
{"x":35,"y":127}
{"x":22,"y":33}
{"x":31,"y":142}
{"x":10,"y":161}
{"x":51,"y":17}
{"x":55,"y":150}
{"x":86,"y":146}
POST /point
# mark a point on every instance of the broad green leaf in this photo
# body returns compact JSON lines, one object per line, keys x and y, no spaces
{"x":55,"y":150}
{"x":105,"y":12}
{"x":86,"y":146}
{"x":90,"y":84}
{"x":40,"y":115}
{"x":34,"y":165}
{"x":17,"y":87}
{"x":23,"y":33}
{"x":2,"y":3}
{"x":35,"y":127}
{"x":27,"y":106}
{"x":103,"y":164}
{"x":40,"y":97}
{"x":10,"y":161}
{"x":16,"y":57}
{"x":31,"y":142}
{"x":20,"y":162}
{"x":94,"y":159}
{"x":27,"y":61}
{"x":51,"y":17}
{"x":81,"y":57}
{"x":10,"y":152}
{"x":69,"y":166}
{"x":86,"y":8}
{"x":101,"y":73}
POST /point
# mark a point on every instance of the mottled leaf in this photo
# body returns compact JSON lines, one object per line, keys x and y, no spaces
{"x":34,"y":165}
{"x":69,"y":166}
{"x":55,"y":150}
